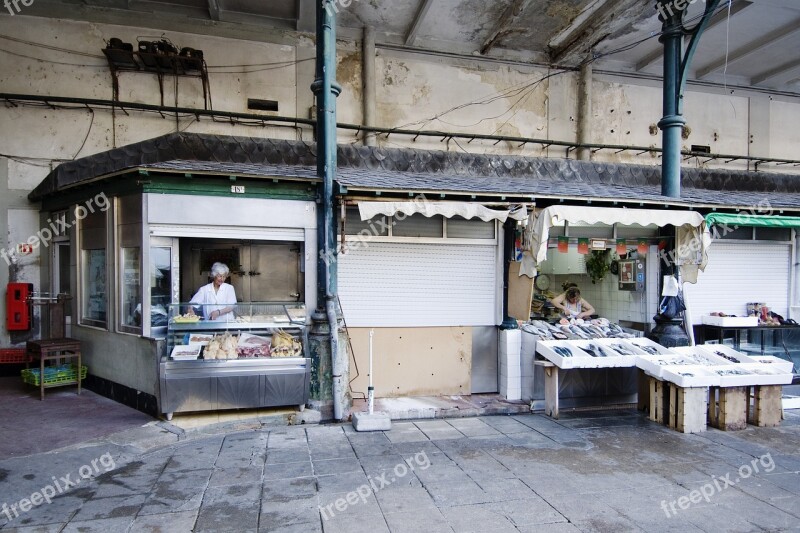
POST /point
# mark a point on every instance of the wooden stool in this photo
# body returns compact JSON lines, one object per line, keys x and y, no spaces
{"x":53,"y":349}
{"x":767,"y":405}
{"x":730,"y":413}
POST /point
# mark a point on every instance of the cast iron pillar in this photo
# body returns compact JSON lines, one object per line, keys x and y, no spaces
{"x":508,"y":256}
{"x":326,"y":91}
{"x":676,"y":67}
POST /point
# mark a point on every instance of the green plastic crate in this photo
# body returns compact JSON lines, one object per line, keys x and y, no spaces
{"x":54,"y":375}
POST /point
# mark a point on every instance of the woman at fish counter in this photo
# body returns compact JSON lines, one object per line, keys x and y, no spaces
{"x":217,"y":299}
{"x":571,"y":305}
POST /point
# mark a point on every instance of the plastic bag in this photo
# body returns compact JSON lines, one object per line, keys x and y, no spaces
{"x":671,"y":306}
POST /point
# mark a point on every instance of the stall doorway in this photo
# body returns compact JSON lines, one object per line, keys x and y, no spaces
{"x":260,"y":271}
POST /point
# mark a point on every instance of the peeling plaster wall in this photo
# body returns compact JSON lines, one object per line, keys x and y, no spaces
{"x":783,"y":130}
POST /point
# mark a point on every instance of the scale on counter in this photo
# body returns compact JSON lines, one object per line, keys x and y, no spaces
{"x":632,"y":275}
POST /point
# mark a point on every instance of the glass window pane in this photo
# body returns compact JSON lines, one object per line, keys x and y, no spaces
{"x":160,"y":285}
{"x":418,"y":225}
{"x":131,"y":304}
{"x":64,"y":278}
{"x":94,"y":286}
{"x":475,"y":228}
{"x":377,"y":227}
{"x":773,"y":234}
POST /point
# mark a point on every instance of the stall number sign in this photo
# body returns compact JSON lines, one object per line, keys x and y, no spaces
{"x":24,"y":249}
{"x":237,"y":189}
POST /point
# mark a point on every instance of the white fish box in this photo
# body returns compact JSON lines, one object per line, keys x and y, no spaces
{"x":654,"y":364}
{"x":691,"y":376}
{"x":557,"y":353}
{"x":702,"y":357}
{"x":736,"y":376}
{"x":781,"y":365}
{"x":767,"y":375}
{"x":731,"y":321}
{"x":612,"y":353}
{"x":649,"y":346}
{"x":726,"y":353}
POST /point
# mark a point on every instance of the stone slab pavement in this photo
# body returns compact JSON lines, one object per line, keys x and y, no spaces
{"x":591,"y":471}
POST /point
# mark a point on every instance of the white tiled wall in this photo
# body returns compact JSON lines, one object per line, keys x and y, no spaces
{"x":614,"y":304}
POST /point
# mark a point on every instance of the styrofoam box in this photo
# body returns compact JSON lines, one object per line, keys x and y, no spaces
{"x":731,"y":321}
{"x":579,"y":359}
{"x":655,"y":364}
{"x":727,"y":351}
{"x":768,"y":375}
{"x":700,"y":356}
{"x":643,"y":342}
{"x":781,"y":365}
{"x":611,"y":360}
{"x":691,"y":376}
{"x":736,"y":380}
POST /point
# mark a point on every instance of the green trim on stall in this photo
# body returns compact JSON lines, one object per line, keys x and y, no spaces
{"x":746,"y":219}
{"x":214,"y":186}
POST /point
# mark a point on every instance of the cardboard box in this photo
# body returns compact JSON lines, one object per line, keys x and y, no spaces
{"x":731,"y":321}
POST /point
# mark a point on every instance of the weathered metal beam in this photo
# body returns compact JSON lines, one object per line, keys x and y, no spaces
{"x":588,"y":28}
{"x":422,"y":11}
{"x":505,"y":23}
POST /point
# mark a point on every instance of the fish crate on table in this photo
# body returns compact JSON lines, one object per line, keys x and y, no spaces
{"x":13,"y":356}
{"x":54,"y":375}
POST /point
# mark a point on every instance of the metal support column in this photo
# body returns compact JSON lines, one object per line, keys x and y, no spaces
{"x":327,"y":90}
{"x":676,"y":67}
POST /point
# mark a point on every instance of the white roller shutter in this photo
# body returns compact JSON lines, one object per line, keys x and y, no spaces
{"x":738,"y":273}
{"x":409,"y":284}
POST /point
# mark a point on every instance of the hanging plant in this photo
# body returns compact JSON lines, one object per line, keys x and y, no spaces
{"x":597,"y":265}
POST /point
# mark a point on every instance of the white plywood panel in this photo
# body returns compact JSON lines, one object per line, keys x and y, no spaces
{"x":410,"y":284}
{"x":738,"y":273}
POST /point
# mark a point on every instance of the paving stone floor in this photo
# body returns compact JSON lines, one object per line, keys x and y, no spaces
{"x":591,"y":471}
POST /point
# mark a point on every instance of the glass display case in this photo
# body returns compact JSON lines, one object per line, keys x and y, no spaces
{"x":251,"y":355}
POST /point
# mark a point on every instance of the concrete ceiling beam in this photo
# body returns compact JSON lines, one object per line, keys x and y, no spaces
{"x":306,"y":16}
{"x":737,"y":6}
{"x":505,"y":23}
{"x":213,"y":9}
{"x":599,"y":20}
{"x":783,"y":74}
{"x":749,"y":49}
{"x":419,"y":17}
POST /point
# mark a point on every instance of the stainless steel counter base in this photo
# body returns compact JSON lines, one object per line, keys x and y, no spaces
{"x":233,"y":384}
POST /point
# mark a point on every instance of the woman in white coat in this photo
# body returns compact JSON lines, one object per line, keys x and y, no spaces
{"x":218,"y":299}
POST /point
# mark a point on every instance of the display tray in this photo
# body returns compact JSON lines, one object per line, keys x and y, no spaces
{"x":648,"y":346}
{"x":781,"y":365}
{"x":730,"y":321}
{"x":688,"y":376}
{"x":726,"y":353}
{"x":186,"y":353}
{"x":557,"y":353}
